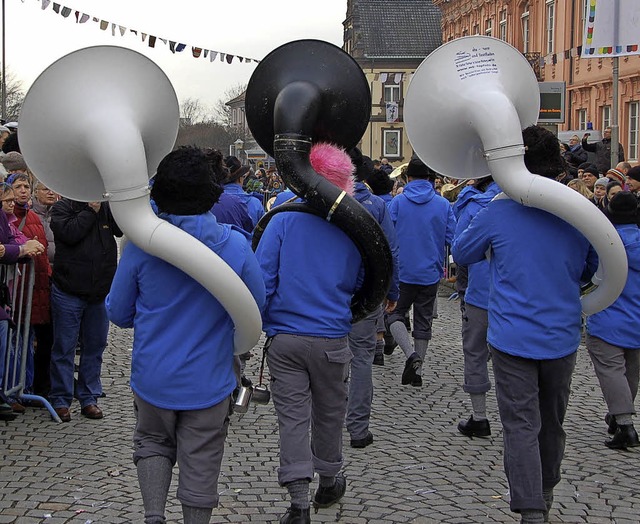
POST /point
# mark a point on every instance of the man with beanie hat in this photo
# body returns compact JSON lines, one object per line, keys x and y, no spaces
{"x":612,"y":335}
{"x":311,"y":270}
{"x":425,"y":225}
{"x":633,"y":180}
{"x":182,"y":373}
{"x":363,"y":338}
{"x":537,"y":265}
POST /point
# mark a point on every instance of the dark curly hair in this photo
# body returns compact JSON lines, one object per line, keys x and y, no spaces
{"x":216,"y":162}
{"x":379,"y":182}
{"x":542,"y":156}
{"x":184,"y":183}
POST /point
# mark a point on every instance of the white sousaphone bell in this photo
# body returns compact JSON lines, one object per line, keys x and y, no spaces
{"x":94,"y":126}
{"x":465,"y":110}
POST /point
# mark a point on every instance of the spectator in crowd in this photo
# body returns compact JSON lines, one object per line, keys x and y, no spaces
{"x":309,"y":355}
{"x":13,"y":163}
{"x":613,"y":187}
{"x":233,"y":186}
{"x":600,"y":193}
{"x":602,"y":150}
{"x":10,"y":253}
{"x":474,"y":305}
{"x":29,"y":223}
{"x":633,"y":180}
{"x":421,"y":262}
{"x":612,"y":335}
{"x":363,"y":338}
{"x":567,"y":175}
{"x":385,"y":165}
{"x":83,"y":268}
{"x":186,"y":422}
{"x":534,"y":327}
{"x":574,"y":155}
{"x":589,"y":177}
{"x":11,"y":143}
{"x":623,"y":167}
{"x":617,"y":175}
{"x":578,"y":185}
{"x":230,"y":208}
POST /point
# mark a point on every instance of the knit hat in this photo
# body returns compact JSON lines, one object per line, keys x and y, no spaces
{"x":363,"y":164}
{"x":592,"y":170}
{"x":614,"y":174}
{"x":13,"y":162}
{"x":602,"y":182}
{"x":334,"y":164}
{"x":584,"y":165}
{"x":236,"y":169}
{"x":634,"y":173}
{"x":623,"y":208}
{"x":380,"y":182}
{"x":184,"y":183}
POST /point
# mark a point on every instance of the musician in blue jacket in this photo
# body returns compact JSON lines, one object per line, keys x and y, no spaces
{"x":474,"y":304}
{"x":311,"y":271}
{"x":182,"y":373}
{"x":613,"y":341}
{"x":537,"y":264}
{"x":425,"y":225}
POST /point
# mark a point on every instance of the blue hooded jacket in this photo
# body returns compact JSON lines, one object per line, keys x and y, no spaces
{"x":425,"y":226}
{"x":537,"y":264}
{"x":254,"y":206}
{"x":477,"y":293}
{"x":183,"y":338}
{"x":618,"y":324}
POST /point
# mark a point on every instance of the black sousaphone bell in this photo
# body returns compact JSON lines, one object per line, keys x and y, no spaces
{"x":310,"y":91}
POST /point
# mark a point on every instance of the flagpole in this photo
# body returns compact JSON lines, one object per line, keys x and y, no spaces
{"x":4,"y":76}
{"x":615,"y":139}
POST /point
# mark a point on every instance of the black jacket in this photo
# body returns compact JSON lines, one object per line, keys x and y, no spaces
{"x":602,"y":150}
{"x":86,"y":251}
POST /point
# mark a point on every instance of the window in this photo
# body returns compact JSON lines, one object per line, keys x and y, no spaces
{"x":392,"y":93}
{"x":606,"y":117}
{"x":582,"y":119}
{"x":550,"y":19}
{"x":391,"y":143}
{"x":525,"y":29}
{"x":476,"y":29}
{"x":488,"y":27}
{"x":634,"y":130}
{"x":503,"y":25}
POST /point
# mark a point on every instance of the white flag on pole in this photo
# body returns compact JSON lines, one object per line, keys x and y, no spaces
{"x":611,"y":28}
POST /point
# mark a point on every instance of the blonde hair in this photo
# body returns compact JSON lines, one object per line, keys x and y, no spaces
{"x":578,"y":185}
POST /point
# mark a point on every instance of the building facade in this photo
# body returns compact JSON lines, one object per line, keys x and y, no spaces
{"x":550,"y":34}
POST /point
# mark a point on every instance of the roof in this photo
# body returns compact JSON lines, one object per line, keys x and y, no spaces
{"x":397,"y":28}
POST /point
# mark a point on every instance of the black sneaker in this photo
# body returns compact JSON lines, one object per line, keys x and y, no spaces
{"x":417,"y":382}
{"x":296,"y":516}
{"x":625,"y":437}
{"x":326,"y":497}
{"x":378,"y":360}
{"x":410,"y":368}
{"x":610,"y":421}
{"x":475,"y":428}
{"x":362,"y":442}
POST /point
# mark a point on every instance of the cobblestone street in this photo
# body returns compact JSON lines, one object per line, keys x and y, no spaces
{"x":418,"y":470}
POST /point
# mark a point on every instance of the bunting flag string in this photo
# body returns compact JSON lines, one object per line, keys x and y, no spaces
{"x":174,"y":47}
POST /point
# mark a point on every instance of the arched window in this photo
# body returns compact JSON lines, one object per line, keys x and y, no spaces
{"x":525,"y":27}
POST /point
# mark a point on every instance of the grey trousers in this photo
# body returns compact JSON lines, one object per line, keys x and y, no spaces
{"x":362,"y":343}
{"x":475,"y":349}
{"x":309,"y":391}
{"x":194,"y":438}
{"x":532,"y":399}
{"x":423,"y":299}
{"x":617,"y":370}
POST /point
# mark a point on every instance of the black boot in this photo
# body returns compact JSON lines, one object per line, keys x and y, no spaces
{"x":474,"y":428}
{"x":412,"y":364}
{"x":296,"y":516}
{"x":326,"y":497}
{"x":625,"y":437}
{"x":610,"y":420}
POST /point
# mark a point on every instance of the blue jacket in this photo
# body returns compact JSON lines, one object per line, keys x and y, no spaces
{"x":537,"y":264}
{"x":310,"y":269}
{"x":283,"y":196}
{"x":465,"y":194}
{"x":254,"y":207}
{"x":183,"y":339}
{"x":376,"y":206}
{"x":477,"y":293}
{"x":230,"y":209}
{"x":617,"y":324}
{"x":425,"y":226}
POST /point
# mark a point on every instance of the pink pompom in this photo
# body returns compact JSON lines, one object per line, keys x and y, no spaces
{"x":334,"y":164}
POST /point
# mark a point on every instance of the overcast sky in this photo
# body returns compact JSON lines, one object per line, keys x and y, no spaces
{"x":249,"y":28}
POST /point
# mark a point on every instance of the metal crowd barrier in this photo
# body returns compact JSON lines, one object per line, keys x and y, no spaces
{"x":17,"y":280}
